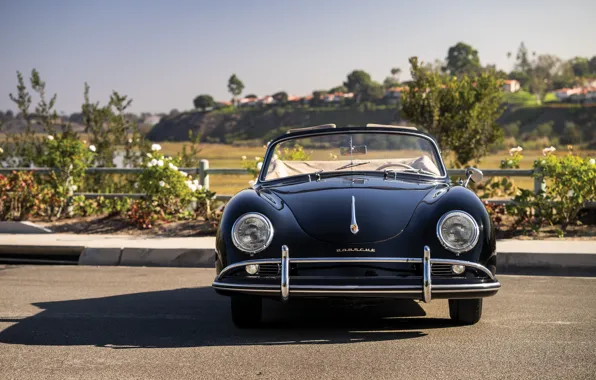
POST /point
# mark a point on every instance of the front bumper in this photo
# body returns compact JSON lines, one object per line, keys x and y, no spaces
{"x":424,"y":287}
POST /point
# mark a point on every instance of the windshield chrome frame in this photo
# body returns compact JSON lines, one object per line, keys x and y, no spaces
{"x":270,"y":151}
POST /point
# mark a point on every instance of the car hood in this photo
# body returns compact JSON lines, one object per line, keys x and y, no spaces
{"x":323,"y":208}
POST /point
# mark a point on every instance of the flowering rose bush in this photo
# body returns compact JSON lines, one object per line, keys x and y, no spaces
{"x":170,"y":194}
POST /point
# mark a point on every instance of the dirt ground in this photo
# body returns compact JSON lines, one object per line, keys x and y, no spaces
{"x":117,"y":225}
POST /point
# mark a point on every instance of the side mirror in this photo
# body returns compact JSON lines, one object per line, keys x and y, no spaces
{"x":473,"y":174}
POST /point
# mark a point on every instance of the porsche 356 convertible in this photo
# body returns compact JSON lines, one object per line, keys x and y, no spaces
{"x":356,"y":212}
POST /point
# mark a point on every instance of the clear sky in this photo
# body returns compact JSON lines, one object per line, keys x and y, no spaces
{"x":163,"y":53}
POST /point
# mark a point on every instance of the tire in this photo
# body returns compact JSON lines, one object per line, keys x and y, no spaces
{"x":465,"y":311}
{"x":246,"y":311}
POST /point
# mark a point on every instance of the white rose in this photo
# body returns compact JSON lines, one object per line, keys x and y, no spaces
{"x":50,"y":137}
{"x":162,"y":183}
{"x":74,"y":187}
{"x":149,"y":155}
{"x":92,"y":148}
{"x":130,"y":141}
{"x":257,"y":158}
{"x":199,"y":187}
{"x":591,"y":162}
{"x":1,"y":150}
{"x":184,"y":174}
{"x":172,"y":166}
{"x":244,"y":157}
{"x":259,"y":165}
{"x":136,"y":185}
{"x":160,"y":163}
{"x":510,"y":162}
{"x":570,"y":193}
{"x":155,"y":147}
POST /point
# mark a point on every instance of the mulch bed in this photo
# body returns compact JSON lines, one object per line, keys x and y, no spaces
{"x":117,"y":225}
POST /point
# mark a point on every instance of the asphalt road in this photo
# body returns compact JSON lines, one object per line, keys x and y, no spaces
{"x":166,"y":323}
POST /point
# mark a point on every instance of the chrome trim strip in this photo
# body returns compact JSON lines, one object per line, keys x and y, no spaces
{"x":426,"y":276}
{"x":244,"y":263}
{"x":341,"y":260}
{"x":398,"y":289}
{"x":467,"y":264}
{"x":446,"y":288}
{"x":354,"y":225}
{"x":285,"y":273}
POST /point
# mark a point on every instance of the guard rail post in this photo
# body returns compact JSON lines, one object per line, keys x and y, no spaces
{"x":204,"y":181}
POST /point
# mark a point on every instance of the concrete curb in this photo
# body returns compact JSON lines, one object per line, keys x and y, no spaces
{"x":22,"y":228}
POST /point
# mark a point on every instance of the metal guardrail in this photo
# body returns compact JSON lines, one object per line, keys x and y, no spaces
{"x":203,"y":171}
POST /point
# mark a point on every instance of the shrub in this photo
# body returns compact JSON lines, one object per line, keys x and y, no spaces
{"x":70,"y":157}
{"x":571,"y":182}
{"x":19,"y":196}
{"x":170,"y":194}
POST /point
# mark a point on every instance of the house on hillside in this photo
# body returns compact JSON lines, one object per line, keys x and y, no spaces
{"x":511,"y":85}
{"x":267,"y":100}
{"x":393,"y":95}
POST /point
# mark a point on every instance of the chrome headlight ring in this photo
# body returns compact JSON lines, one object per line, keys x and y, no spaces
{"x":472,"y":240}
{"x":238,"y":224}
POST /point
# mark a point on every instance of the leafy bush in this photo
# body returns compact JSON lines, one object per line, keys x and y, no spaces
{"x":571,"y":182}
{"x":70,"y":157}
{"x":19,"y":196}
{"x":503,"y":186}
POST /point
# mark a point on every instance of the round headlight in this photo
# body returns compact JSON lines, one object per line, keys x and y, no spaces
{"x":457,"y":231}
{"x":252,"y":232}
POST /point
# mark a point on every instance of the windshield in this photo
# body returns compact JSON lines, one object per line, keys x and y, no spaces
{"x":345,"y":152}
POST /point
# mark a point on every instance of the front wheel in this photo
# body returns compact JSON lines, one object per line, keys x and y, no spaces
{"x":246,"y":311}
{"x":465,"y":311}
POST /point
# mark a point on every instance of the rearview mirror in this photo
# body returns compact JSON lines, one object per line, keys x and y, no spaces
{"x":347,"y":151}
{"x":473,"y":174}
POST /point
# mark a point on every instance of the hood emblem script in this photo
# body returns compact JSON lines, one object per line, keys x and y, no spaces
{"x":354,"y":226}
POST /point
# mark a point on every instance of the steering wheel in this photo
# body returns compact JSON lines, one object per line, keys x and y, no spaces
{"x":395,"y":164}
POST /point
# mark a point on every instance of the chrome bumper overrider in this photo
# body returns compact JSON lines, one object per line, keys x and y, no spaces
{"x":424,"y":291}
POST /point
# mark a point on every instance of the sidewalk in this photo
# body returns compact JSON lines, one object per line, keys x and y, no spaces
{"x":562,"y":257}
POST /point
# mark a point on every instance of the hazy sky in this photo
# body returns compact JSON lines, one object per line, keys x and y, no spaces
{"x":163,"y":53}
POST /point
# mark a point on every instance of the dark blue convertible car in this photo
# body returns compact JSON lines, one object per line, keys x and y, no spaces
{"x":358,"y":212}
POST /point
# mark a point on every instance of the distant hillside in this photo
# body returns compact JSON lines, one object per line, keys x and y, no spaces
{"x":263,"y":124}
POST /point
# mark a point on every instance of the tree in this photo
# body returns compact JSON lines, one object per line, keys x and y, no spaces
{"x":357,"y":82}
{"x":592,"y":65}
{"x":174,"y":112}
{"x":317,"y":97}
{"x":203,"y":102}
{"x":280,"y":97}
{"x":335,"y":89}
{"x":251,"y":96}
{"x":395,"y":73}
{"x":390,"y":82}
{"x":364,"y":88}
{"x":235,"y":87}
{"x":460,"y":112}
{"x":462,"y":59}
{"x":580,"y":66}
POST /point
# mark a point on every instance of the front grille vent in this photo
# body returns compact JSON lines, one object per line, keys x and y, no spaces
{"x":268,"y":270}
{"x":441,"y":269}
